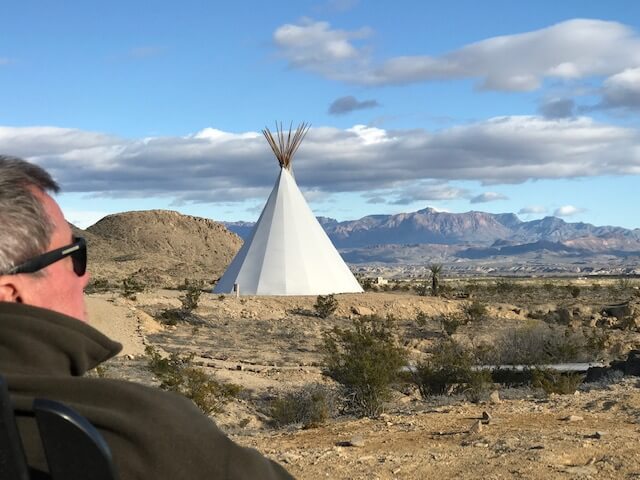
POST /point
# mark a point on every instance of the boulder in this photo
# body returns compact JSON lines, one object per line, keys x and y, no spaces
{"x":362,"y":311}
{"x":632,"y":364}
{"x":619,"y":310}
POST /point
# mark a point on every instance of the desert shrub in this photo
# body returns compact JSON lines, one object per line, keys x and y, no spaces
{"x":170,"y":316}
{"x":310,"y":406}
{"x":449,"y":370}
{"x":564,"y":315}
{"x":100,"y":371}
{"x":191,"y":297}
{"x":97,"y":285}
{"x":400,"y":286}
{"x":422,"y":319}
{"x":471,"y":287}
{"x":177,"y":374}
{"x":597,"y":341}
{"x":573,"y":290}
{"x":552,"y":381}
{"x":451,"y":322}
{"x":325,"y":305}
{"x":479,"y":385}
{"x":475,"y":311}
{"x":189,"y":302}
{"x":624,"y":283}
{"x":504,"y":285}
{"x":131,"y":287}
{"x":366,"y":283}
{"x":539,"y":344}
{"x":365,"y":360}
{"x":173,"y":316}
{"x":422,"y":289}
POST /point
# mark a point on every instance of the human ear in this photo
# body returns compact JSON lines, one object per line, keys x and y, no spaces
{"x":9,"y":290}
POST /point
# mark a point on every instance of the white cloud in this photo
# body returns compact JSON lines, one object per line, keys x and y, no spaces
{"x":569,"y":50}
{"x":623,"y":89}
{"x":488,"y":197}
{"x":411,"y":165}
{"x":315,"y":46}
{"x":370,"y":135}
{"x":426,"y":191}
{"x":567,"y":211}
{"x":532,"y":210}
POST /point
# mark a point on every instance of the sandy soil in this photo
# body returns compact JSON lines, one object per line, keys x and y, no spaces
{"x":270,"y":345}
{"x":118,"y":320}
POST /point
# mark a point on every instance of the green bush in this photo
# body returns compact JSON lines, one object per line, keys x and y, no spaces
{"x":365,"y":360}
{"x":556,"y":382}
{"x":449,"y":370}
{"x":325,"y":305}
{"x":177,"y":374}
{"x":191,"y":296}
{"x":422,"y":289}
{"x":504,"y":285}
{"x":189,"y":302}
{"x":475,"y":311}
{"x":422,"y":319}
{"x":310,"y":406}
{"x":98,"y":285}
{"x":479,"y":385}
{"x":131,"y":287}
{"x":366,"y":283}
{"x":574,"y":290}
{"x":451,"y":322}
{"x":540,"y":344}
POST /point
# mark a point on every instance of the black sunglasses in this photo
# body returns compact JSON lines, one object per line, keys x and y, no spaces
{"x":77,"y":250}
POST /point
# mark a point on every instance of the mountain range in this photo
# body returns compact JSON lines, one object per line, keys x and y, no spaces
{"x":162,"y":248}
{"x":478,"y":229}
{"x":481,"y":242}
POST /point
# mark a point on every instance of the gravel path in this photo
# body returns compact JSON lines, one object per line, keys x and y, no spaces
{"x":118,"y":320}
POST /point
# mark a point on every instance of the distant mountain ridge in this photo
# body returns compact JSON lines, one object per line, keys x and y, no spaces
{"x":478,"y":229}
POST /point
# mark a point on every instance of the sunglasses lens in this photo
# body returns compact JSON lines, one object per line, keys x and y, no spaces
{"x":79,"y":259}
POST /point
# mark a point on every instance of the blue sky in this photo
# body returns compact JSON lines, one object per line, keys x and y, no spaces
{"x":492,"y":106}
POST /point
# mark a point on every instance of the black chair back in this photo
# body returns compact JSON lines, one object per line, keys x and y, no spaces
{"x":74,"y":449}
{"x":13,"y":464}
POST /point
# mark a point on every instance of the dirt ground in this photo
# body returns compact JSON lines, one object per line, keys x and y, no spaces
{"x":270,"y":346}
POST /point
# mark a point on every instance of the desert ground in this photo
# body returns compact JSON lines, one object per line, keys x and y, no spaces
{"x":270,"y":346}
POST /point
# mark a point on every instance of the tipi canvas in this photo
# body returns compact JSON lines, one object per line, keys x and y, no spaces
{"x":288,"y":252}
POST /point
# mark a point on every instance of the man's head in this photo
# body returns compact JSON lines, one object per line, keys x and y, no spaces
{"x":31,"y":223}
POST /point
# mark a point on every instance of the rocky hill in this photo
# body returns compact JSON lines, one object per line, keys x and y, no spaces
{"x":159,"y":247}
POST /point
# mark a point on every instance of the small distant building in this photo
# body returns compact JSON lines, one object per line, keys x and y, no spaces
{"x":380,"y":281}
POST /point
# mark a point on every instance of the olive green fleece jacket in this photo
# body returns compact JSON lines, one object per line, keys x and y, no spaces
{"x":152,"y":434}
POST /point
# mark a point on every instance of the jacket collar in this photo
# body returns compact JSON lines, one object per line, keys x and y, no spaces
{"x":38,"y":341}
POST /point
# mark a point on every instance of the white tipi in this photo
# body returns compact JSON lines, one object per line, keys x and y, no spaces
{"x":288,"y":252}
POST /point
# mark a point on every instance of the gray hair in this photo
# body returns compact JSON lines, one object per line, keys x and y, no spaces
{"x":25,"y":227}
